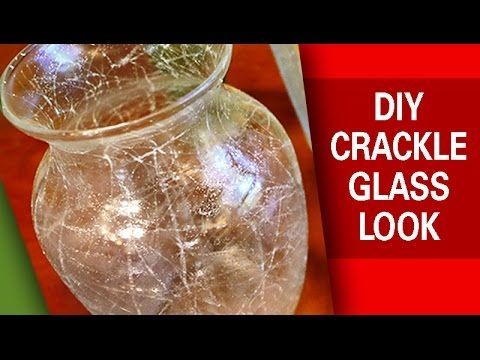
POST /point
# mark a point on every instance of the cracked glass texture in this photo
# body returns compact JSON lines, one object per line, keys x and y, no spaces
{"x":163,"y":191}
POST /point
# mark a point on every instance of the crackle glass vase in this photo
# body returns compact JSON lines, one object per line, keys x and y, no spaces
{"x":163,"y":190}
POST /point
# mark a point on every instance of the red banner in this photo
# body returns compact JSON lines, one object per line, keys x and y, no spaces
{"x":395,"y":134}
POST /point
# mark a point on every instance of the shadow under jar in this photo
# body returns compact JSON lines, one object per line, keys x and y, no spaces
{"x":163,"y":191}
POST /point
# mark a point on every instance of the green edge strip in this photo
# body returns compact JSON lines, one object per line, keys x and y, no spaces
{"x":19,"y":290}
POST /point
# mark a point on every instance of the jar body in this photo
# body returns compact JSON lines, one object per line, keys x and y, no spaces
{"x":201,"y":213}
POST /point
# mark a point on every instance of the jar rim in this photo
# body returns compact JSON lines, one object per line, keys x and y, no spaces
{"x":48,"y":134}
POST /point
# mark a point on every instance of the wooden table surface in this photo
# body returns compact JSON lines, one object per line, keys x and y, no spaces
{"x":253,"y":70}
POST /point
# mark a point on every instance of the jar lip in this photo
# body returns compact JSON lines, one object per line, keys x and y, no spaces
{"x":47,"y":134}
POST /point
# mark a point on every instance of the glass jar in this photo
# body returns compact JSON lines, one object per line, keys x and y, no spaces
{"x":163,"y":191}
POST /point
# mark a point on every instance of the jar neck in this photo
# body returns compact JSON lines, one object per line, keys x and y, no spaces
{"x":157,"y":131}
{"x":84,"y":137}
